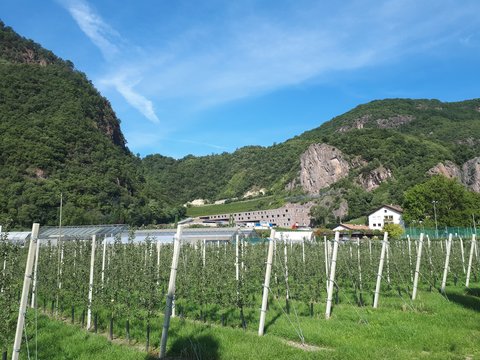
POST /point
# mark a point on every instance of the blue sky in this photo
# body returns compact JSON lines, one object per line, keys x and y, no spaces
{"x":203,"y":77}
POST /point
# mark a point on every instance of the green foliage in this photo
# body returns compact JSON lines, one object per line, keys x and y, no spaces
{"x":395,"y":231}
{"x":454,"y":204}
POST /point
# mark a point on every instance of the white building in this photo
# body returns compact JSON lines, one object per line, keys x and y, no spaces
{"x":386,"y":214}
{"x":294,"y":236}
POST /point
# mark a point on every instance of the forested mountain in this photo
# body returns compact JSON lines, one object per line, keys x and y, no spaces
{"x":59,"y":135}
{"x":406,"y":137}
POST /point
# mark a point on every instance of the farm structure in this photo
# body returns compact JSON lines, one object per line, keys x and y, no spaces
{"x":285,"y":216}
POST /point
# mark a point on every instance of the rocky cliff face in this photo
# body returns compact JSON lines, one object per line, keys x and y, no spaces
{"x":321,"y":166}
{"x":471,"y":174}
{"x":468,"y":174}
{"x":447,"y":169}
{"x":372,"y":180}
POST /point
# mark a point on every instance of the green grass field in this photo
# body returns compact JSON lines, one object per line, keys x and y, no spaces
{"x":264,"y":203}
{"x":432,"y":327}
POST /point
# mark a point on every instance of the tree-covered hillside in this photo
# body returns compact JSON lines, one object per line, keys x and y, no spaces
{"x":59,"y":135}
{"x":407,"y":136}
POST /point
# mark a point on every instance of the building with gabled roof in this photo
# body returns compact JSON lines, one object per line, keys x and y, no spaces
{"x":385,"y":214}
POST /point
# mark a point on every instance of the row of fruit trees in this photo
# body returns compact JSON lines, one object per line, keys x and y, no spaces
{"x":220,"y":282}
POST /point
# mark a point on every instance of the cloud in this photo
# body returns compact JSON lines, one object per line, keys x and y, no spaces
{"x":99,"y":32}
{"x":138,"y":101}
{"x":212,"y":63}
{"x":248,"y":52}
{"x":107,"y":39}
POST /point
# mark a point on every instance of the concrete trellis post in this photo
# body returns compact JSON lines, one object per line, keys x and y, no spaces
{"x":26,"y":287}
{"x":447,"y":259}
{"x":171,"y":291}
{"x":285,"y":254}
{"x":203,"y":251}
{"x":380,"y":270}
{"x":159,"y":246}
{"x":360,"y":286}
{"x":410,"y":256}
{"x":237,"y":264}
{"x":103,"y":259}
{"x":462,"y":251}
{"x":388,"y":263}
{"x":331,"y":280}
{"x":417,"y":267}
{"x":35,"y":275}
{"x":303,"y":250}
{"x":266,"y":286}
{"x":326,"y":256}
{"x":90,"y":284}
{"x":470,"y":259}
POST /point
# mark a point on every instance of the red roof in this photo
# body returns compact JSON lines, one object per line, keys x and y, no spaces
{"x":354,"y":227}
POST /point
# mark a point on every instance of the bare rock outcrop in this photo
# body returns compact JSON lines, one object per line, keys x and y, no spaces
{"x":471,"y":174}
{"x":321,"y":166}
{"x":372,"y":180}
{"x":391,"y":122}
{"x":448,"y":169}
{"x":358,"y":123}
{"x":394,"y":121}
{"x":468,"y":174}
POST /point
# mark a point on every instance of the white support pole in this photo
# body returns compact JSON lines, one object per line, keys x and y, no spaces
{"x":417,"y":267}
{"x":370,"y":250}
{"x":380,"y":270}
{"x":237,"y":264}
{"x":103,"y":259}
{"x":266,"y":286}
{"x":428,"y":243}
{"x":447,"y":259}
{"x":331,"y":280}
{"x":242,"y":247}
{"x":171,"y":291}
{"x":303,"y":250}
{"x":410,"y":256}
{"x":203,"y":251}
{"x":26,"y":287}
{"x":470,"y":259}
{"x":326,"y":256}
{"x":360,"y":286}
{"x":35,"y":275}
{"x":285,"y":254}
{"x":462,"y":251}
{"x":159,"y":246}
{"x":388,"y":263}
{"x":90,"y":283}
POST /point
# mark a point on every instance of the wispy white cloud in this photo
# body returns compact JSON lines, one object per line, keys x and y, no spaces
{"x":138,"y":101}
{"x":252,"y":55}
{"x":99,"y":32}
{"x":108,"y":40}
{"x":242,"y":54}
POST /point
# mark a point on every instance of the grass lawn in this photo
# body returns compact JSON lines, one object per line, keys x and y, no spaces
{"x":432,"y":327}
